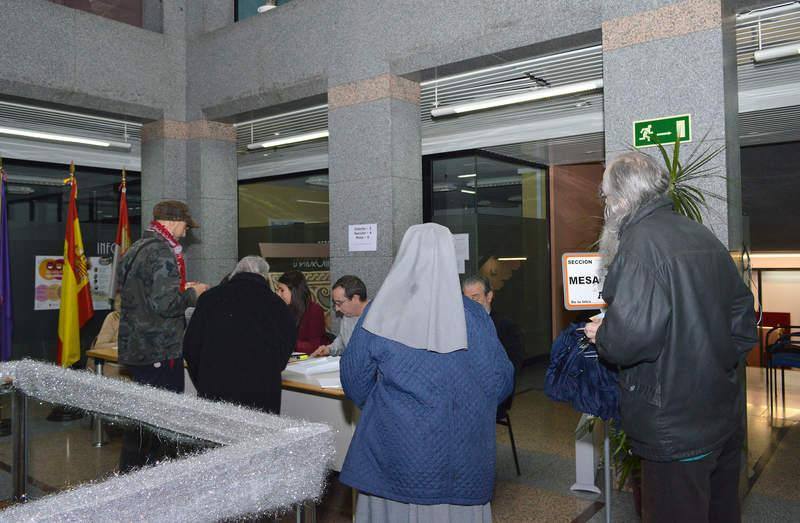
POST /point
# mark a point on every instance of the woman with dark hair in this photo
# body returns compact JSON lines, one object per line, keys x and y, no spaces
{"x":308,"y":315}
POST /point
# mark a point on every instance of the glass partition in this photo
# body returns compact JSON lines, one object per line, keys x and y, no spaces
{"x":211,"y":461}
{"x":288,"y":215}
{"x":501,"y":203}
{"x":37,"y":211}
{"x":285,"y":209}
{"x":60,"y":450}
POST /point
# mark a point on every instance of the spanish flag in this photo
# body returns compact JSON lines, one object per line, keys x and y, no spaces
{"x":76,"y":300}
{"x":123,"y":239}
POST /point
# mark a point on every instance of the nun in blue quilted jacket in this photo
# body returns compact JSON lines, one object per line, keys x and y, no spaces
{"x":426,"y":369}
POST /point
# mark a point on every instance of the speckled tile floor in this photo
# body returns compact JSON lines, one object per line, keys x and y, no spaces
{"x":61,"y":455}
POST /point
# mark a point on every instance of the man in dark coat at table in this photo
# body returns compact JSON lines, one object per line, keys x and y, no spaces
{"x":240,"y":338}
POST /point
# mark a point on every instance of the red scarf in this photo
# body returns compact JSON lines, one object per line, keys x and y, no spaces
{"x":177,"y":250}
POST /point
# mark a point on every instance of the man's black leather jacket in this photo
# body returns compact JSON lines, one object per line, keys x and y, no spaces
{"x":679,"y":322}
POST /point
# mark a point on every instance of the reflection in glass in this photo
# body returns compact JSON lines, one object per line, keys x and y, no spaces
{"x":502,"y":204}
{"x":37,"y":210}
{"x":285,"y":209}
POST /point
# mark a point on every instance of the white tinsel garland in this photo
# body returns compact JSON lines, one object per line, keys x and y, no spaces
{"x":267,"y":463}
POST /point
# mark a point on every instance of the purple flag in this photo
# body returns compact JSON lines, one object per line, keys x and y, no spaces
{"x":6,"y":321}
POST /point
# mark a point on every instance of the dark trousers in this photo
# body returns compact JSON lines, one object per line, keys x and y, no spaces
{"x":702,"y":491}
{"x":140,"y":446}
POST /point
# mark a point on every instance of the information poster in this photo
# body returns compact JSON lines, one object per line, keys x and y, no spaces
{"x":583,"y":281}
{"x":47,"y":282}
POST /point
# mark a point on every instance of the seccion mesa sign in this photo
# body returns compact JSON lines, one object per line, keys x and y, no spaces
{"x":583,"y":280}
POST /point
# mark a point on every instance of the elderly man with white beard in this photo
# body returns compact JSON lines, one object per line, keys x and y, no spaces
{"x":679,"y":324}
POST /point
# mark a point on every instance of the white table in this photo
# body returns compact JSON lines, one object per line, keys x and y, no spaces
{"x":304,"y":398}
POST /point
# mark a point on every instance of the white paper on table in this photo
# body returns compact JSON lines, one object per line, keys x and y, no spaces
{"x":330,"y":383}
{"x":313,"y":366}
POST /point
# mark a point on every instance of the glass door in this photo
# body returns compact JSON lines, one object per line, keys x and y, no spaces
{"x":502,"y":204}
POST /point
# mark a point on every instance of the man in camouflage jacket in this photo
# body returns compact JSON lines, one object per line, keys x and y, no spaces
{"x":155,"y":297}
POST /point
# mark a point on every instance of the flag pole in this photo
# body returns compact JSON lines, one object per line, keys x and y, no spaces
{"x":75,"y":308}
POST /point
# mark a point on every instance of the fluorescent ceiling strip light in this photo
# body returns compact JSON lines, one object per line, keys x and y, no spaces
{"x":775,"y":255}
{"x":282,"y":115}
{"x":467,"y":191}
{"x":38,"y":135}
{"x":289,"y":140}
{"x":473,"y":175}
{"x":513,"y":258}
{"x":525,"y":64}
{"x":767,"y":11}
{"x":775,"y":53}
{"x":530,"y":96}
{"x":36,"y":180}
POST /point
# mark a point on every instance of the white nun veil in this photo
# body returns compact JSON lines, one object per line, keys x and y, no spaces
{"x":420,"y":303}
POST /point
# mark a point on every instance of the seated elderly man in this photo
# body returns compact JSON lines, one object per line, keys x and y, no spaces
{"x":240,"y":338}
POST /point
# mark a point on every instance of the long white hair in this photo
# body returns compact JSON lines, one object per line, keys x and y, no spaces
{"x":630,"y":181}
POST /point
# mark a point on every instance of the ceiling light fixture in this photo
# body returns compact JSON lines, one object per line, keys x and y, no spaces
{"x":513,"y":258}
{"x":529,"y":96}
{"x":269,"y":5}
{"x":467,"y":191}
{"x":473,"y":175}
{"x":289,"y":140}
{"x":65,"y":138}
{"x":36,"y":180}
{"x":20,"y":189}
{"x":767,"y":11}
{"x":776,"y":53}
{"x":775,"y":255}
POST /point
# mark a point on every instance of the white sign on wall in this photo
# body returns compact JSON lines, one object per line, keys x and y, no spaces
{"x":583,"y":280}
{"x":363,"y":237}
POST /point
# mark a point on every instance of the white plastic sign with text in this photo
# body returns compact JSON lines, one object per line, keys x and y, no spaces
{"x":583,"y":280}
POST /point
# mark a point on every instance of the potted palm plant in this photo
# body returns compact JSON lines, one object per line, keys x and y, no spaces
{"x":688,"y":199}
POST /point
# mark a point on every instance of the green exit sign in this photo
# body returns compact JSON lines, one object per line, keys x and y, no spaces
{"x":648,"y":133}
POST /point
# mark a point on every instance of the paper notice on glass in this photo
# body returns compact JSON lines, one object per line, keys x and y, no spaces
{"x":330,"y":383}
{"x":363,"y":237}
{"x":461,"y":243}
{"x":462,"y":266}
{"x":100,"y":282}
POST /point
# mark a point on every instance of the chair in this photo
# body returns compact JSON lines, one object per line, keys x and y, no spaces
{"x":504,"y":419}
{"x":770,"y":319}
{"x":782,"y":354}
